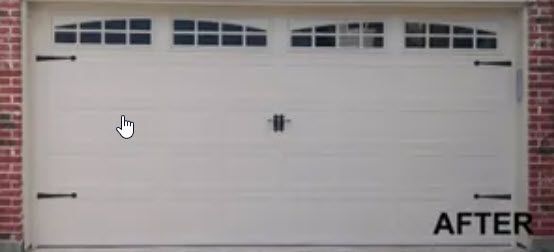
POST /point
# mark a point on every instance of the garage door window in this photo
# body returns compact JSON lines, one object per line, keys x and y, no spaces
{"x":188,"y":32}
{"x":341,"y":35}
{"x":445,"y":36}
{"x":121,"y":31}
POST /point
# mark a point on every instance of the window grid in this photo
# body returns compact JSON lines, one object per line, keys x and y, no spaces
{"x":357,"y":34}
{"x":104,"y":32}
{"x":246,"y":33}
{"x":470,"y":33}
{"x":340,"y":33}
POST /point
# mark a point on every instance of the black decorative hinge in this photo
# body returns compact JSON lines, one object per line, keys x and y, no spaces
{"x":493,"y":196}
{"x":492,"y":63}
{"x":51,"y":57}
{"x":41,"y":195}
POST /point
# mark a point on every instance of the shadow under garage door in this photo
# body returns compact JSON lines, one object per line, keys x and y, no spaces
{"x":377,"y":140}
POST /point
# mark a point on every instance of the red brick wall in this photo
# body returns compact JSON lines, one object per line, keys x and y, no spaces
{"x":541,"y":113}
{"x":10,"y":120}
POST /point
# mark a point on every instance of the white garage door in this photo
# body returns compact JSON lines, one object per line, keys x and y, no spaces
{"x":388,"y":122}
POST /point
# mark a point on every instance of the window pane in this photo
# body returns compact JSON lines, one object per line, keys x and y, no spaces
{"x":325,"y":41}
{"x":91,"y":37}
{"x":439,"y":29}
{"x":254,"y":29}
{"x":303,"y":30}
{"x":69,"y":26}
{"x":373,"y":28}
{"x":65,"y":37}
{"x":415,"y":42}
{"x":349,"y":41}
{"x":115,"y":38}
{"x":483,"y":32}
{"x":208,"y":26}
{"x":462,"y":30}
{"x":208,"y":39}
{"x":116,"y":24}
{"x":256,"y":40}
{"x":183,"y":39}
{"x":301,"y":41}
{"x":183,"y":25}
{"x":232,"y":27}
{"x":373,"y":42}
{"x":415,"y":28}
{"x":325,"y":29}
{"x":140,"y":38}
{"x":349,"y":28}
{"x":141,"y":24}
{"x":439,"y":42}
{"x":91,"y":25}
{"x":486,"y":43}
{"x":463,"y":42}
{"x":232,"y":40}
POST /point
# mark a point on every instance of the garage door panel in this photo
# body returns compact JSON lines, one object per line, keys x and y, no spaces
{"x":120,"y":171}
{"x":158,"y":128}
{"x":429,"y":126}
{"x":90,"y":128}
{"x":306,"y":170}
{"x":398,"y":83}
{"x":477,"y":82}
{"x":379,"y":142}
{"x":222,"y":172}
{"x":99,"y":86}
{"x":478,"y":104}
{"x":314,"y":221}
{"x":115,"y":222}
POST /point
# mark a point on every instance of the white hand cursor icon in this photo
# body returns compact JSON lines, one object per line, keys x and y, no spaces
{"x":127,"y":128}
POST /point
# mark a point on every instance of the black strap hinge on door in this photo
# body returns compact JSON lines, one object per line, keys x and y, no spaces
{"x":42,"y":195}
{"x":40,"y":58}
{"x":506,"y":63}
{"x":493,"y":196}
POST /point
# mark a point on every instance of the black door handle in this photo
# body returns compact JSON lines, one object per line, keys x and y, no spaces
{"x":42,"y":195}
{"x":493,"y":196}
{"x":279,"y":121}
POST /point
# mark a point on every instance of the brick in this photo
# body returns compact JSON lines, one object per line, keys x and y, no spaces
{"x":542,"y":20}
{"x":11,"y":210}
{"x":541,"y":53}
{"x":10,"y":120}
{"x":547,"y":76}
{"x":9,"y":4}
{"x":542,"y":68}
{"x":10,"y":159}
{"x":545,"y":208}
{"x":9,"y":73}
{"x":541,"y":84}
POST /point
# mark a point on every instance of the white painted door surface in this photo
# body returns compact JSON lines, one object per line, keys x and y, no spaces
{"x":379,"y":143}
{"x":391,"y":146}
